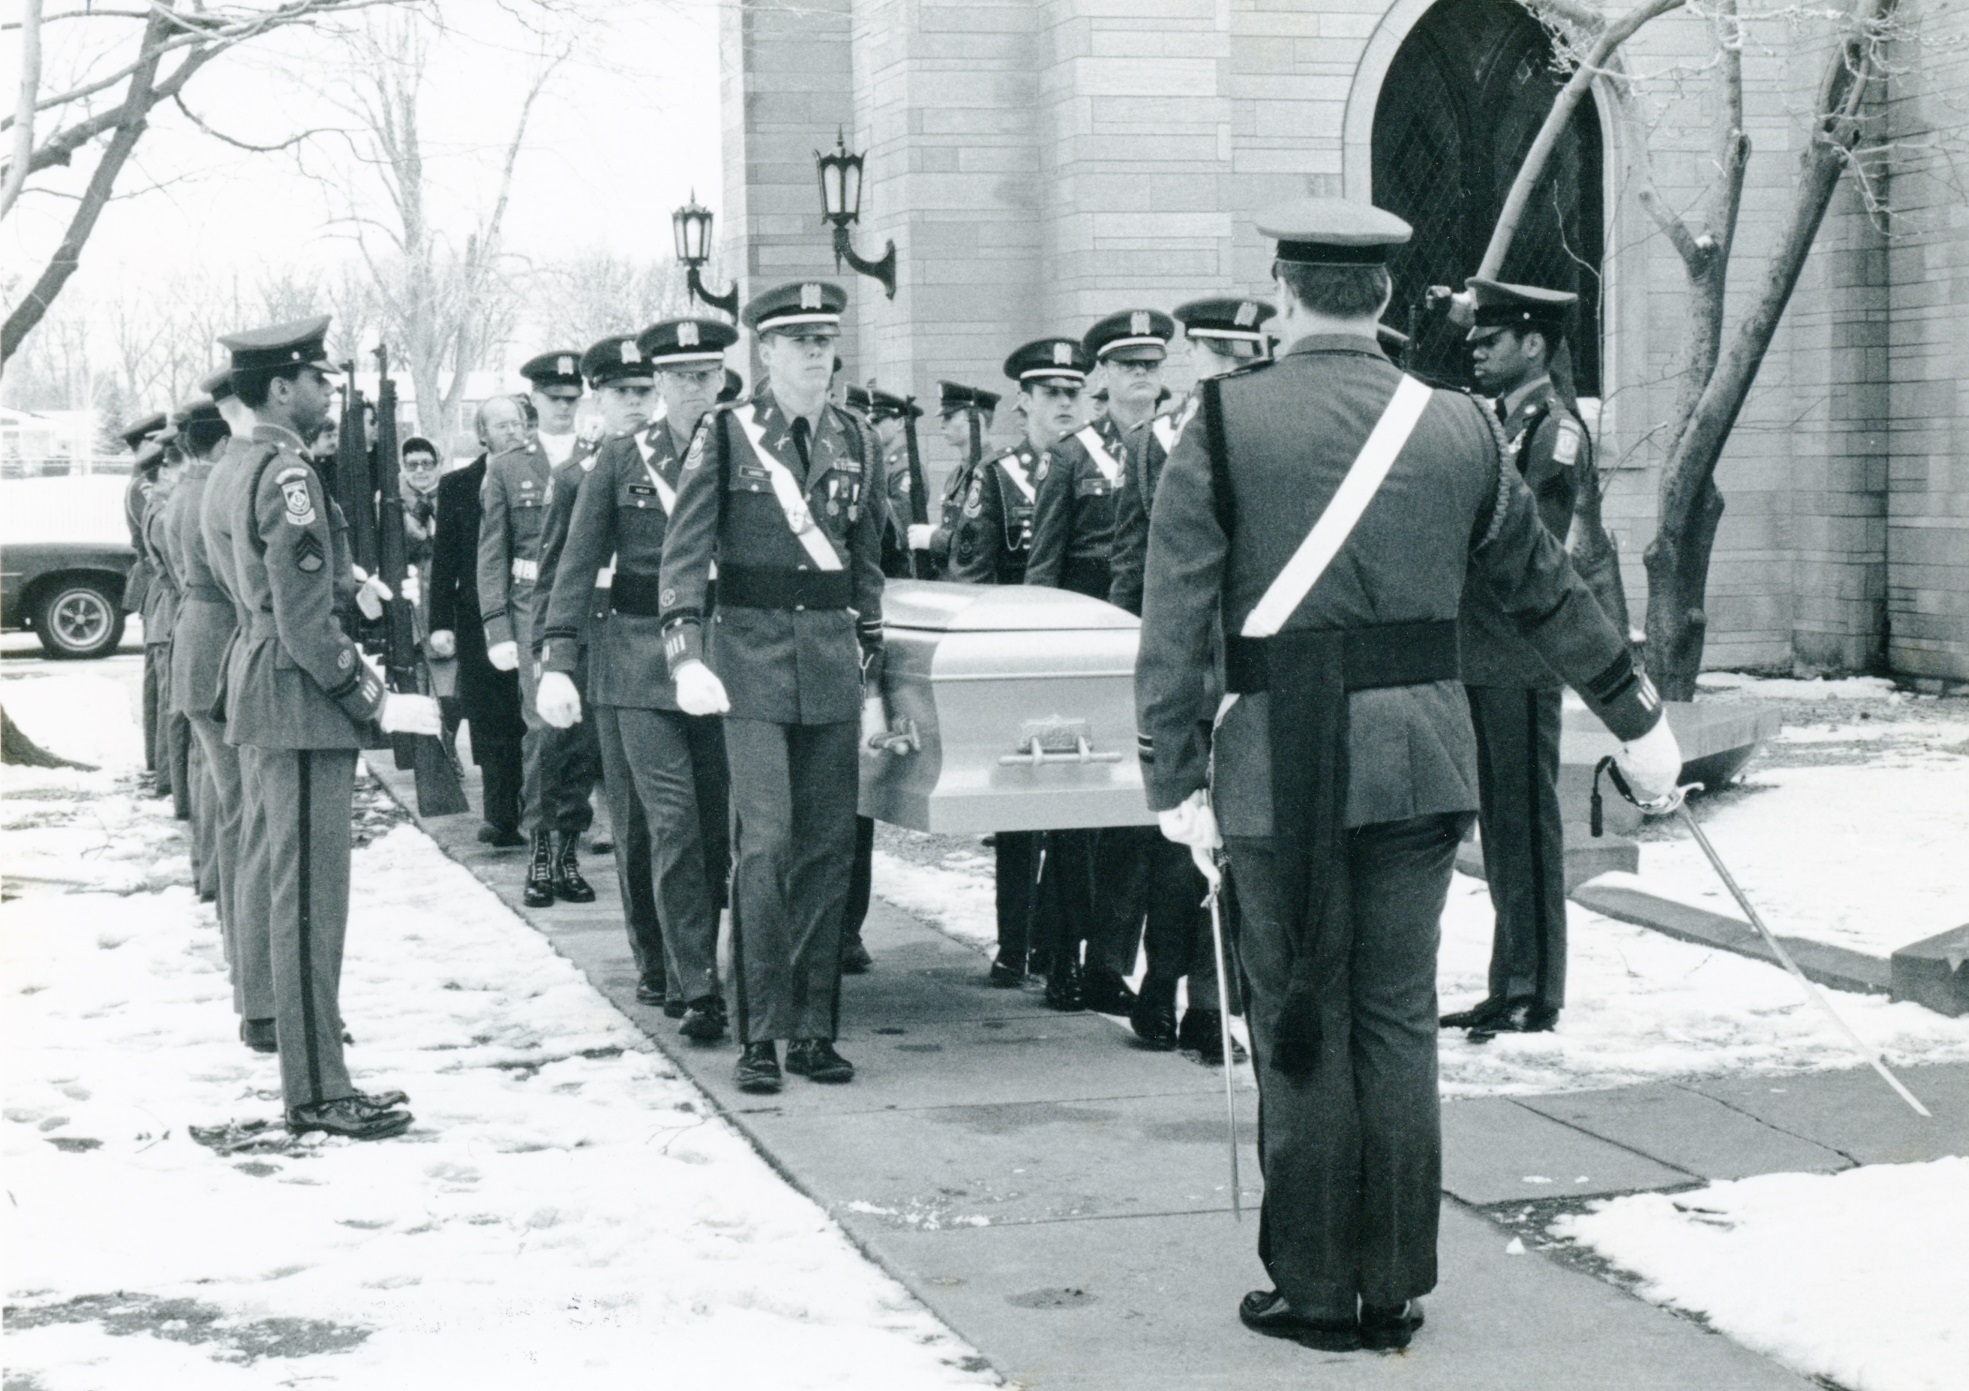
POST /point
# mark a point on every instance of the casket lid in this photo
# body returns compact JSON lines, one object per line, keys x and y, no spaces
{"x":939,"y":607}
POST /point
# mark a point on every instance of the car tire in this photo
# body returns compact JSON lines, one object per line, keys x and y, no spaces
{"x":78,"y":619}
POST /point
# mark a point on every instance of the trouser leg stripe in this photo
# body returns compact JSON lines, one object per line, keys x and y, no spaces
{"x":305,"y":924}
{"x":1534,"y":786}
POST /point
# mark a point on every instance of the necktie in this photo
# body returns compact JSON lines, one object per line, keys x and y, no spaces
{"x":801,"y":432}
{"x":1497,"y":405}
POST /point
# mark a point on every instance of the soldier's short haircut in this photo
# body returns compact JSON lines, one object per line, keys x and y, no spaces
{"x":203,"y":435}
{"x":1338,"y":291}
{"x":529,"y":412}
{"x":253,"y":386}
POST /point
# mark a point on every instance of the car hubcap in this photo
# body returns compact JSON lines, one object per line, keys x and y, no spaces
{"x":81,"y":620}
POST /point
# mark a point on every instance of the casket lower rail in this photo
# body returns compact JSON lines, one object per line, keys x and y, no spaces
{"x":1013,"y":709}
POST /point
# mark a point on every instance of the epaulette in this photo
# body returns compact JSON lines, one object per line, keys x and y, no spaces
{"x":1251,"y":368}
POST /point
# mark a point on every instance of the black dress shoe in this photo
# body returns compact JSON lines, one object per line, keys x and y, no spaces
{"x":1064,"y":989}
{"x":1202,"y":1033}
{"x":651,"y":988}
{"x":258,"y":1034}
{"x":704,"y":1020}
{"x":601,"y":845}
{"x":816,"y":1060}
{"x":348,"y":1116}
{"x":1107,"y":993}
{"x":1266,"y":1312}
{"x":758,"y":1068}
{"x":502,"y":836}
{"x":1154,"y":1022}
{"x":1519,"y":1017}
{"x":540,"y":873}
{"x":1478,"y":1014}
{"x":855,"y":959}
{"x":569,"y":886}
{"x":1006,"y":975}
{"x":1388,"y":1327}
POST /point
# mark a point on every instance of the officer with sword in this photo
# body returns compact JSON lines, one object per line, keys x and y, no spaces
{"x":1324,"y":509}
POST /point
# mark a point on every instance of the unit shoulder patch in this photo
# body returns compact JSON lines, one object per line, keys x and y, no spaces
{"x":297,"y":499}
{"x":1565,"y":449}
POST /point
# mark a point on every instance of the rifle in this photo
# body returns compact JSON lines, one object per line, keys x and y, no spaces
{"x":919,"y":502}
{"x":439,"y":792}
{"x":352,"y":487}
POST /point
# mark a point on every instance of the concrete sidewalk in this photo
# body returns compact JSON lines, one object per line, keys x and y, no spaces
{"x":1061,"y":1198}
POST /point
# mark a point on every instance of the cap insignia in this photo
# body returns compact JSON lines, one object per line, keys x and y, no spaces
{"x":629,"y":353}
{"x":1138,"y":322}
{"x":810,"y":297}
{"x":1063,"y":354}
{"x":687,"y":335}
{"x":1247,"y":314}
{"x":565,"y":367}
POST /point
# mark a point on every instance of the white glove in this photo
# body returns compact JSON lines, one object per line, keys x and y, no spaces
{"x":874,"y":722}
{"x":371,"y":595}
{"x":1191,"y":822}
{"x":699,"y":691}
{"x":1652,"y":763}
{"x":409,"y":714}
{"x":443,"y":644}
{"x":919,"y":535}
{"x":504,"y":656}
{"x":412,"y":590}
{"x":558,"y":703}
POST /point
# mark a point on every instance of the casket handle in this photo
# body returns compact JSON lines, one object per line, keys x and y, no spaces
{"x":900,"y":740}
{"x":1036,"y":756}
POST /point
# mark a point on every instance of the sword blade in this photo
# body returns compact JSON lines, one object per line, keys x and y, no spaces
{"x":1215,"y":878}
{"x":1812,"y":990}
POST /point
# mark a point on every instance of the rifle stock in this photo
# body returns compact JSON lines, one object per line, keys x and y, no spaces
{"x":439,"y":791}
{"x":919,"y":502}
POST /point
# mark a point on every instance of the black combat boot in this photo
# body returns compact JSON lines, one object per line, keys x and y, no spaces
{"x":1154,"y":1016}
{"x":1202,"y":1033}
{"x":568,"y":885}
{"x":540,"y":874}
{"x":1065,"y":987}
{"x":704,"y":1020}
{"x":758,"y":1068}
{"x":1105,"y":992}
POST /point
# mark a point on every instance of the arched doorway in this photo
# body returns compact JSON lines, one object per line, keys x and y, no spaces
{"x":1460,"y":106}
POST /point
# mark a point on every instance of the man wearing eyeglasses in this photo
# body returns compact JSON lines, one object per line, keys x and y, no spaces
{"x":784,"y":491}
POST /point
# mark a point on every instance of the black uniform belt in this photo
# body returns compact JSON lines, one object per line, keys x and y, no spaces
{"x":207,"y":594}
{"x":635,"y":594}
{"x":1389,"y":654}
{"x":779,"y":587}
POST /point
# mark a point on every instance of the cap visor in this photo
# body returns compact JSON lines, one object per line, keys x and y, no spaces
{"x":1134,"y":352}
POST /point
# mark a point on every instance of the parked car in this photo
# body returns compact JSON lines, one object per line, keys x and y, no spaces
{"x":64,"y":557}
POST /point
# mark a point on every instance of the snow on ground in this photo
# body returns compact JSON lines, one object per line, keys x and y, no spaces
{"x":1641,"y":1006}
{"x":566,"y":1210}
{"x":1857,"y":1277}
{"x":1848,"y":828}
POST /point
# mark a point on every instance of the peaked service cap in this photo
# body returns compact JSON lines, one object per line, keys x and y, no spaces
{"x":808,"y":304}
{"x":560,"y":367}
{"x":1333,"y":232}
{"x":1050,"y":359}
{"x":298,"y":343}
{"x":616,"y":358}
{"x":1234,"y":326}
{"x":676,"y":342}
{"x":1133,"y":335}
{"x":1500,"y":306}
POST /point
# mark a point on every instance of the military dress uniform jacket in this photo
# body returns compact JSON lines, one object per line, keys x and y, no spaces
{"x":1291,"y":431}
{"x":950,"y":516}
{"x":206,"y":620}
{"x":563,"y":492}
{"x":512,"y":520}
{"x":620,"y":515}
{"x":300,"y":682}
{"x":1548,"y":445}
{"x":136,"y":584}
{"x":993,"y":536}
{"x":1150,"y":444}
{"x":1073,"y":511}
{"x":794,"y":642}
{"x":160,"y":610}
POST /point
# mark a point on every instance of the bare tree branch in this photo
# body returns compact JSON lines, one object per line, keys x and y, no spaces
{"x":10,"y":187}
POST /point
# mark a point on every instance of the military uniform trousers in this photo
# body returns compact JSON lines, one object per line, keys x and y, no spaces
{"x":669,"y":769}
{"x":306,"y":796}
{"x":793,"y":791}
{"x":156,"y":665}
{"x":1155,"y":895}
{"x":558,"y":767}
{"x":198,"y":786}
{"x":1352,"y":1152}
{"x":223,"y":811}
{"x":1523,"y":839}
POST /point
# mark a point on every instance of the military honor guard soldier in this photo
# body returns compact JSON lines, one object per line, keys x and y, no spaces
{"x":302,"y":700}
{"x":1101,"y":876}
{"x":1345,"y":772}
{"x":1515,"y":695}
{"x":961,"y":412}
{"x":783,"y":492}
{"x":659,"y":764}
{"x":556,"y":779}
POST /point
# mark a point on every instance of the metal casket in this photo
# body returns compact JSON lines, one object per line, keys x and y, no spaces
{"x":1014,"y":708}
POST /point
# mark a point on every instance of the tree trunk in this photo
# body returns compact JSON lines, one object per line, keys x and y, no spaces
{"x":17,"y":748}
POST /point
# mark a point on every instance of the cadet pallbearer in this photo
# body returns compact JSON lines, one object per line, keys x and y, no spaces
{"x":783,"y":491}
{"x":304,"y":700}
{"x":1345,"y":771}
{"x":653,"y":754}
